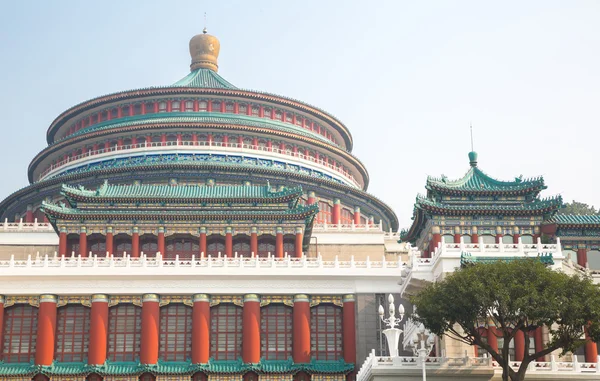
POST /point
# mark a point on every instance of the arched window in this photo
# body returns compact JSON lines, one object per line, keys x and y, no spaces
{"x":507,"y":239}
{"x":189,"y":106}
{"x":326,"y":332}
{"x":324,"y":215}
{"x":448,"y":238}
{"x":347,"y":217}
{"x":124,"y":332}
{"x":226,"y":332}
{"x":122,"y":244}
{"x":175,"y":106}
{"x":276,"y":332}
{"x":20,"y":331}
{"x":175,"y":332}
{"x":266,"y":245}
{"x":97,"y":245}
{"x":241,"y":245}
{"x":216,"y":245}
{"x":203,"y":105}
{"x":488,"y":239}
{"x":72,"y":333}
{"x":466,"y":238}
{"x":162,"y":106}
{"x":149,"y":245}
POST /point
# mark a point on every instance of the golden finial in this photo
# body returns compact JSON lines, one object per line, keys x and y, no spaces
{"x":204,"y":50}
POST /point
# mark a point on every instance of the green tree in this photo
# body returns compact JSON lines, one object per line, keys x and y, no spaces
{"x":578,"y":208}
{"x":517,"y":295}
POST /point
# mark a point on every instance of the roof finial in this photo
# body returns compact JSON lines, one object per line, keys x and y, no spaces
{"x":204,"y":30}
{"x":204,"y":50}
{"x":472,"y":154}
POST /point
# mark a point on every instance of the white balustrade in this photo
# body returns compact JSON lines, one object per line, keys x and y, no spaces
{"x":25,"y":227}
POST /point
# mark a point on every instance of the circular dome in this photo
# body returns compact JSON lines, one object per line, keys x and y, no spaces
{"x":204,"y":50}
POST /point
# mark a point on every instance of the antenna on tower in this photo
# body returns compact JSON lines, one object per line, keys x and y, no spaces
{"x":471,"y":127}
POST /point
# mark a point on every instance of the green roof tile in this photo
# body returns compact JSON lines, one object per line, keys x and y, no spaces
{"x":468,"y":259}
{"x":204,"y":78}
{"x":576,"y":219}
{"x":475,"y":180}
{"x":537,"y":204}
{"x":185,"y":192}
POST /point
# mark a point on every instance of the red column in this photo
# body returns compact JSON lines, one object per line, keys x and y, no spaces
{"x":62,"y":241}
{"x":591,"y":350}
{"x":163,"y":139}
{"x":516,"y":238}
{"x":29,"y":213}
{"x":83,"y":242}
{"x":356,"y":215}
{"x":474,"y":235}
{"x":150,"y":329}
{"x":134,"y":142}
{"x":98,"y":330}
{"x":492,"y":339}
{"x":279,"y":243}
{"x":228,"y":242}
{"x":269,"y":146}
{"x":202,"y":242}
{"x":298,"y":242}
{"x":195,"y":139}
{"x":539,"y":342}
{"x":436,"y":238}
{"x":179,"y":140}
{"x":46,"y":330}
{"x":311,"y":198}
{"x":161,"y":240}
{"x":135,"y":243}
{"x":251,"y":329}
{"x":201,"y":329}
{"x":301,"y":330}
{"x":519,"y":346}
{"x":254,"y":241}
{"x":349,"y":329}
{"x":109,"y":240}
{"x":336,"y":212}
{"x":499,"y":237}
{"x":148,"y":141}
{"x":582,"y":254}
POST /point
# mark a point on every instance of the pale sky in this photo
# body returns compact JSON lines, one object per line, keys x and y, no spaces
{"x":406,"y":77}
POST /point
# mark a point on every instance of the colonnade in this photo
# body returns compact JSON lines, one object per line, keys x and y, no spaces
{"x":201,"y":329}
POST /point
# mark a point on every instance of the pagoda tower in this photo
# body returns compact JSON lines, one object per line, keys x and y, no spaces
{"x":478,"y":208}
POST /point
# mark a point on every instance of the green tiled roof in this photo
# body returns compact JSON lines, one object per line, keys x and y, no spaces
{"x":217,"y":193}
{"x":176,"y":368}
{"x":475,"y":180}
{"x":576,"y":219}
{"x":299,"y":212}
{"x":468,"y":259}
{"x":536,"y":205}
{"x":205,"y":78}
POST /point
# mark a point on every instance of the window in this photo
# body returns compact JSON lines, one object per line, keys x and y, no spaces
{"x":276,"y":332}
{"x":226,"y":332}
{"x":150,"y":108}
{"x":215,"y":247}
{"x":326,"y":332}
{"x":124,"y":332}
{"x":507,"y":239}
{"x":466,"y":238}
{"x":448,"y":238}
{"x":199,"y":377}
{"x":527,"y":239}
{"x":147,"y":377}
{"x":175,"y":106}
{"x":93,"y":377}
{"x":347,"y":217}
{"x":216,"y":106}
{"x":289,"y":246}
{"x":97,"y":245}
{"x":488,"y":239}
{"x":302,"y":376}
{"x":241,"y":246}
{"x":175,"y":332}
{"x":229,"y":108}
{"x":593,"y":258}
{"x":255,"y":110}
{"x":72,"y":327}
{"x":324,"y":215}
{"x":203,"y":105}
{"x":250,"y":376}
{"x":162,"y":106}
{"x":185,"y":247}
{"x":189,"y":105}
{"x":20,"y":331}
{"x":243,"y":109}
{"x":266,"y":246}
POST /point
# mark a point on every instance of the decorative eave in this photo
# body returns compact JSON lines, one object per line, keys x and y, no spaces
{"x":17,"y":196}
{"x":173,"y":90}
{"x":175,"y":368}
{"x":110,"y":193}
{"x":63,"y":212}
{"x":575,"y":221}
{"x":475,"y":181}
{"x":179,"y":122}
{"x":537,"y":207}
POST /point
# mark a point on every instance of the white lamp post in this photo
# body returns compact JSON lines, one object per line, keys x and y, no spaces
{"x":392,"y":334}
{"x":424,"y":347}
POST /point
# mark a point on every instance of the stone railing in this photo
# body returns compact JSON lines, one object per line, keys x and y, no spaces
{"x":399,"y":367}
{"x":126,"y":261}
{"x":198,"y":145}
{"x":25,"y":227}
{"x":325,"y":227}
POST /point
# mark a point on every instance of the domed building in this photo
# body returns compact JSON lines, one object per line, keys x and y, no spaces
{"x":204,"y":232}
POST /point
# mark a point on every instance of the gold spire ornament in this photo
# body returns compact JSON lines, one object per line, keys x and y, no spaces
{"x":204,"y":50}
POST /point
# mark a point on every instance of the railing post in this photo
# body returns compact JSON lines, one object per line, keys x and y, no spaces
{"x":576,"y":366}
{"x":553,"y":364}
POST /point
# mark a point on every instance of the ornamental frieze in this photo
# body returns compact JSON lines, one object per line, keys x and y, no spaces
{"x":136,"y":300}
{"x":288,"y":300}
{"x":183,"y":299}
{"x":238,"y":300}
{"x":333,"y":299}
{"x":74,"y":299}
{"x":22,"y":299}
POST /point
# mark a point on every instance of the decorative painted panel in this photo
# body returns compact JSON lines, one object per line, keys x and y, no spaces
{"x":328,"y":377}
{"x":318,"y":299}
{"x":288,"y":300}
{"x":184,"y":299}
{"x":225,"y":377}
{"x":31,"y":300}
{"x":235,"y":299}
{"x":275,"y":377}
{"x":74,"y":299}
{"x":136,"y":300}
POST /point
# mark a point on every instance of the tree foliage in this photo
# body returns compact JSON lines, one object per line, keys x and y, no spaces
{"x":517,"y":295}
{"x":578,"y":208}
